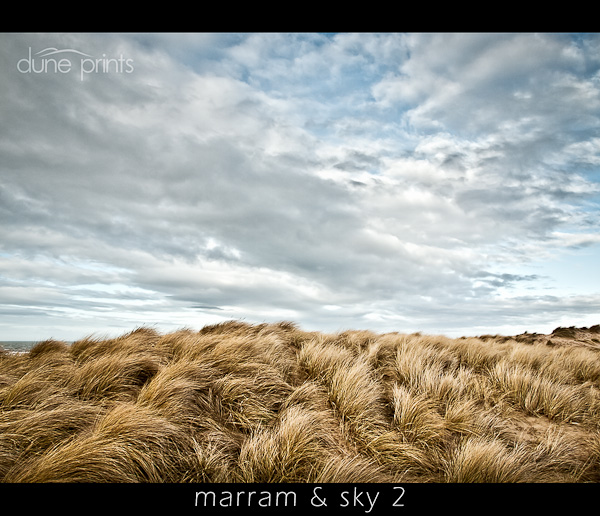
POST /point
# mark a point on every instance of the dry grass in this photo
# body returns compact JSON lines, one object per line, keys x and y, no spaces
{"x":235,"y":402}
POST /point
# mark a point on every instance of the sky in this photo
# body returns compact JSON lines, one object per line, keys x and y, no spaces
{"x":446,"y":183}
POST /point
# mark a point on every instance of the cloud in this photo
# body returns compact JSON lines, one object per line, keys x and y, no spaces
{"x":403,"y":179}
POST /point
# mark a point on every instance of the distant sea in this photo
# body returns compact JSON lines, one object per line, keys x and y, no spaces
{"x":18,"y":345}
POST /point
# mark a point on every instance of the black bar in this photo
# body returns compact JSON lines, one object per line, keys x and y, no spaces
{"x":313,"y":499}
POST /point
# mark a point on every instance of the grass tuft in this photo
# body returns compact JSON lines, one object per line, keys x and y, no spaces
{"x":236,"y":402}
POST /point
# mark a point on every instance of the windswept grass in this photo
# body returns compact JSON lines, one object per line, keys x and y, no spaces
{"x":236,"y":402}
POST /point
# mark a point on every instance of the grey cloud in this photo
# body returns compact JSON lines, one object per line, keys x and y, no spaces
{"x":208,"y":183}
{"x":454,"y":160}
{"x":356,"y":160}
{"x":505,"y":279}
{"x":360,"y":184}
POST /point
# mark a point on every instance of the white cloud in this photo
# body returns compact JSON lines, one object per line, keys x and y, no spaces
{"x":342,"y":181}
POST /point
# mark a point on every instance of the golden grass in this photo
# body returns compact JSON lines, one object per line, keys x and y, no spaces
{"x":236,"y":402}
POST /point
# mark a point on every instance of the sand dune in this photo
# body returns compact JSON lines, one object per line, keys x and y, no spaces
{"x":236,"y":402}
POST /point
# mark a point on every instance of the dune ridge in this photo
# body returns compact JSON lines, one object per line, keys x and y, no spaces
{"x":236,"y":402}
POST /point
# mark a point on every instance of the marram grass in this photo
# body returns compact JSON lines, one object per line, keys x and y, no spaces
{"x":236,"y":402}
